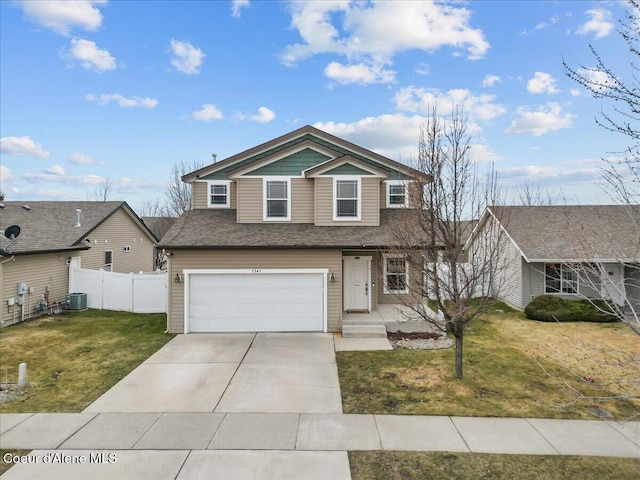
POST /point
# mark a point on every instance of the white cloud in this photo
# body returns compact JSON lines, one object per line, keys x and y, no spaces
{"x":55,"y":170}
{"x":545,"y":119}
{"x":542,"y":83}
{"x":81,"y":159}
{"x":123,"y":102}
{"x":62,"y":16}
{"x":600,"y":23}
{"x":421,"y":100}
{"x":5,"y":174}
{"x":371,"y":33}
{"x":237,"y":6}
{"x":423,"y":69}
{"x":597,"y":79}
{"x":22,"y":146}
{"x":490,"y":80}
{"x":70,"y":180}
{"x":186,"y":58}
{"x":394,"y":136}
{"x":207,"y":113}
{"x":90,"y":56}
{"x":359,"y":73}
{"x":575,"y":92}
{"x":264,"y":115}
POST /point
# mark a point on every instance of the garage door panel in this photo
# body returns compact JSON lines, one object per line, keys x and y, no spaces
{"x":232,"y":302}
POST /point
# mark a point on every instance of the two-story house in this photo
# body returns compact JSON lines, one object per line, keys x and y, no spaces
{"x":289,"y":236}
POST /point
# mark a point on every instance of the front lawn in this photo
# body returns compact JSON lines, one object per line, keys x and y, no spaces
{"x":472,"y":466}
{"x":75,"y":357}
{"x":505,"y":359}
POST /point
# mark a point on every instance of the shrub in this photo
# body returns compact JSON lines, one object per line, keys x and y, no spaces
{"x":550,"y":308}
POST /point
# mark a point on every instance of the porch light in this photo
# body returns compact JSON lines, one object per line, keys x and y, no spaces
{"x":332,"y":277}
{"x":178,"y":278}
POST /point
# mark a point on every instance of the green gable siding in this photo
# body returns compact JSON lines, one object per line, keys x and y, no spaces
{"x":347,"y":169}
{"x":292,"y":165}
{"x":222,"y":174}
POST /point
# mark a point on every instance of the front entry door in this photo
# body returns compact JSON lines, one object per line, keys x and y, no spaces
{"x":357,"y":283}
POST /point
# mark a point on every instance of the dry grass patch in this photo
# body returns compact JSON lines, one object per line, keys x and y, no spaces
{"x":503,"y":370}
{"x":74,"y":358}
{"x":472,"y":466}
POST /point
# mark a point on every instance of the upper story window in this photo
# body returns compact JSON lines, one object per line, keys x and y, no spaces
{"x":347,"y":205}
{"x":397,"y":194}
{"x":219,"y":194}
{"x":560,"y":278}
{"x":277,"y":195}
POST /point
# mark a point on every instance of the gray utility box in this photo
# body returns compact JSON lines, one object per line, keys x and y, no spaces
{"x":77,"y":301}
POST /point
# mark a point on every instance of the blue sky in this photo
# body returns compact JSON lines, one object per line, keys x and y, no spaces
{"x":123,"y":89}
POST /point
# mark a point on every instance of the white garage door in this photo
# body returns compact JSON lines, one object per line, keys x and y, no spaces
{"x":256,"y":302}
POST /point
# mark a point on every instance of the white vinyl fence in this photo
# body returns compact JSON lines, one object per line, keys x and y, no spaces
{"x":128,"y":292}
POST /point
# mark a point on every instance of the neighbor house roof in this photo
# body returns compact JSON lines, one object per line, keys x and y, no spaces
{"x":573,"y":232}
{"x":219,"y":229}
{"x":53,"y":226}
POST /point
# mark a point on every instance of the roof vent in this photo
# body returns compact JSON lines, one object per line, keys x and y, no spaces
{"x":1,"y":205}
{"x":78,"y":222}
{"x":215,"y":157}
{"x":26,"y":207}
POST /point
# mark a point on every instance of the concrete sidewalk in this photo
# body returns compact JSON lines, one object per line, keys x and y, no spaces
{"x":237,"y":445}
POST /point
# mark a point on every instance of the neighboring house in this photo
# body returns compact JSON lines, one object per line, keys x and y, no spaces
{"x":287,"y":236}
{"x":570,"y":251}
{"x":34,"y":267}
{"x":159,"y":226}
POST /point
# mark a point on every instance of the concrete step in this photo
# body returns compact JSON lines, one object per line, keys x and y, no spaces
{"x":364,"y":331}
{"x":362,"y":321}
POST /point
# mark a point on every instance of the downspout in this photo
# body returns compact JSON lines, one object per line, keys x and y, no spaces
{"x":11,"y":258}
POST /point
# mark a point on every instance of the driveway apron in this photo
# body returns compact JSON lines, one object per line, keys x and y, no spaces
{"x":232,"y":372}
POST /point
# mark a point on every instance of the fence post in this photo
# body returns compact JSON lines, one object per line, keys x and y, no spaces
{"x":131,"y":292}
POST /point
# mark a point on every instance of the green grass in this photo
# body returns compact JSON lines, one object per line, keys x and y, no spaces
{"x":473,"y":466}
{"x":501,"y":379}
{"x":74,"y":358}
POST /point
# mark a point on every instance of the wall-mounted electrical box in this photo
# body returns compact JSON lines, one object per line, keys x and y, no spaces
{"x":11,"y":301}
{"x":32,"y":290}
{"x":22,"y":288}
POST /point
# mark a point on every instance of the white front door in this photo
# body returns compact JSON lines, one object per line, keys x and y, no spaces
{"x":357,"y":283}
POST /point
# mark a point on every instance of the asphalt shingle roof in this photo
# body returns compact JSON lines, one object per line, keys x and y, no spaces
{"x":51,"y":226}
{"x":574,"y":232}
{"x":218,"y":229}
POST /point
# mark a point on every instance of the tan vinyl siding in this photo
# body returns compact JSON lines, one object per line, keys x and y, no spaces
{"x":302,"y":200}
{"x":250,"y":259}
{"x":249,"y":200}
{"x":370,"y":203}
{"x":119,"y":231}
{"x":37,"y":271}
{"x":200,"y":193}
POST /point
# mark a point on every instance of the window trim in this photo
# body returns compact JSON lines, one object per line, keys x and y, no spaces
{"x":575,"y":284}
{"x":385,"y":287}
{"x":211,"y":183}
{"x":358,"y":198}
{"x":265,"y":180}
{"x":390,"y":183}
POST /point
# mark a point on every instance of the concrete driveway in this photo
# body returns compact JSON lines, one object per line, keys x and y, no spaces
{"x":234,"y":372}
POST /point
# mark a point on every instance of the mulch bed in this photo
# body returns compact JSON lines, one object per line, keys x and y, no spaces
{"x":412,"y":335}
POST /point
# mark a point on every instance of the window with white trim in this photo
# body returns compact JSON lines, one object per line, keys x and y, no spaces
{"x":277,"y":205}
{"x":219,"y":194}
{"x":396,"y":275}
{"x":397,"y":194}
{"x":560,"y":278}
{"x":347,"y":199}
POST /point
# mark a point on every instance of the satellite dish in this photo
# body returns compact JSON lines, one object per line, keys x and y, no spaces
{"x":12,"y":232}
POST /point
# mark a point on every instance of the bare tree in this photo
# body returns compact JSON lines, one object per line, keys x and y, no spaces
{"x":602,"y":82}
{"x":622,"y":176}
{"x":431,"y":239}
{"x":530,"y":195}
{"x":153,"y":208}
{"x":104,"y":190}
{"x":179,"y":194}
